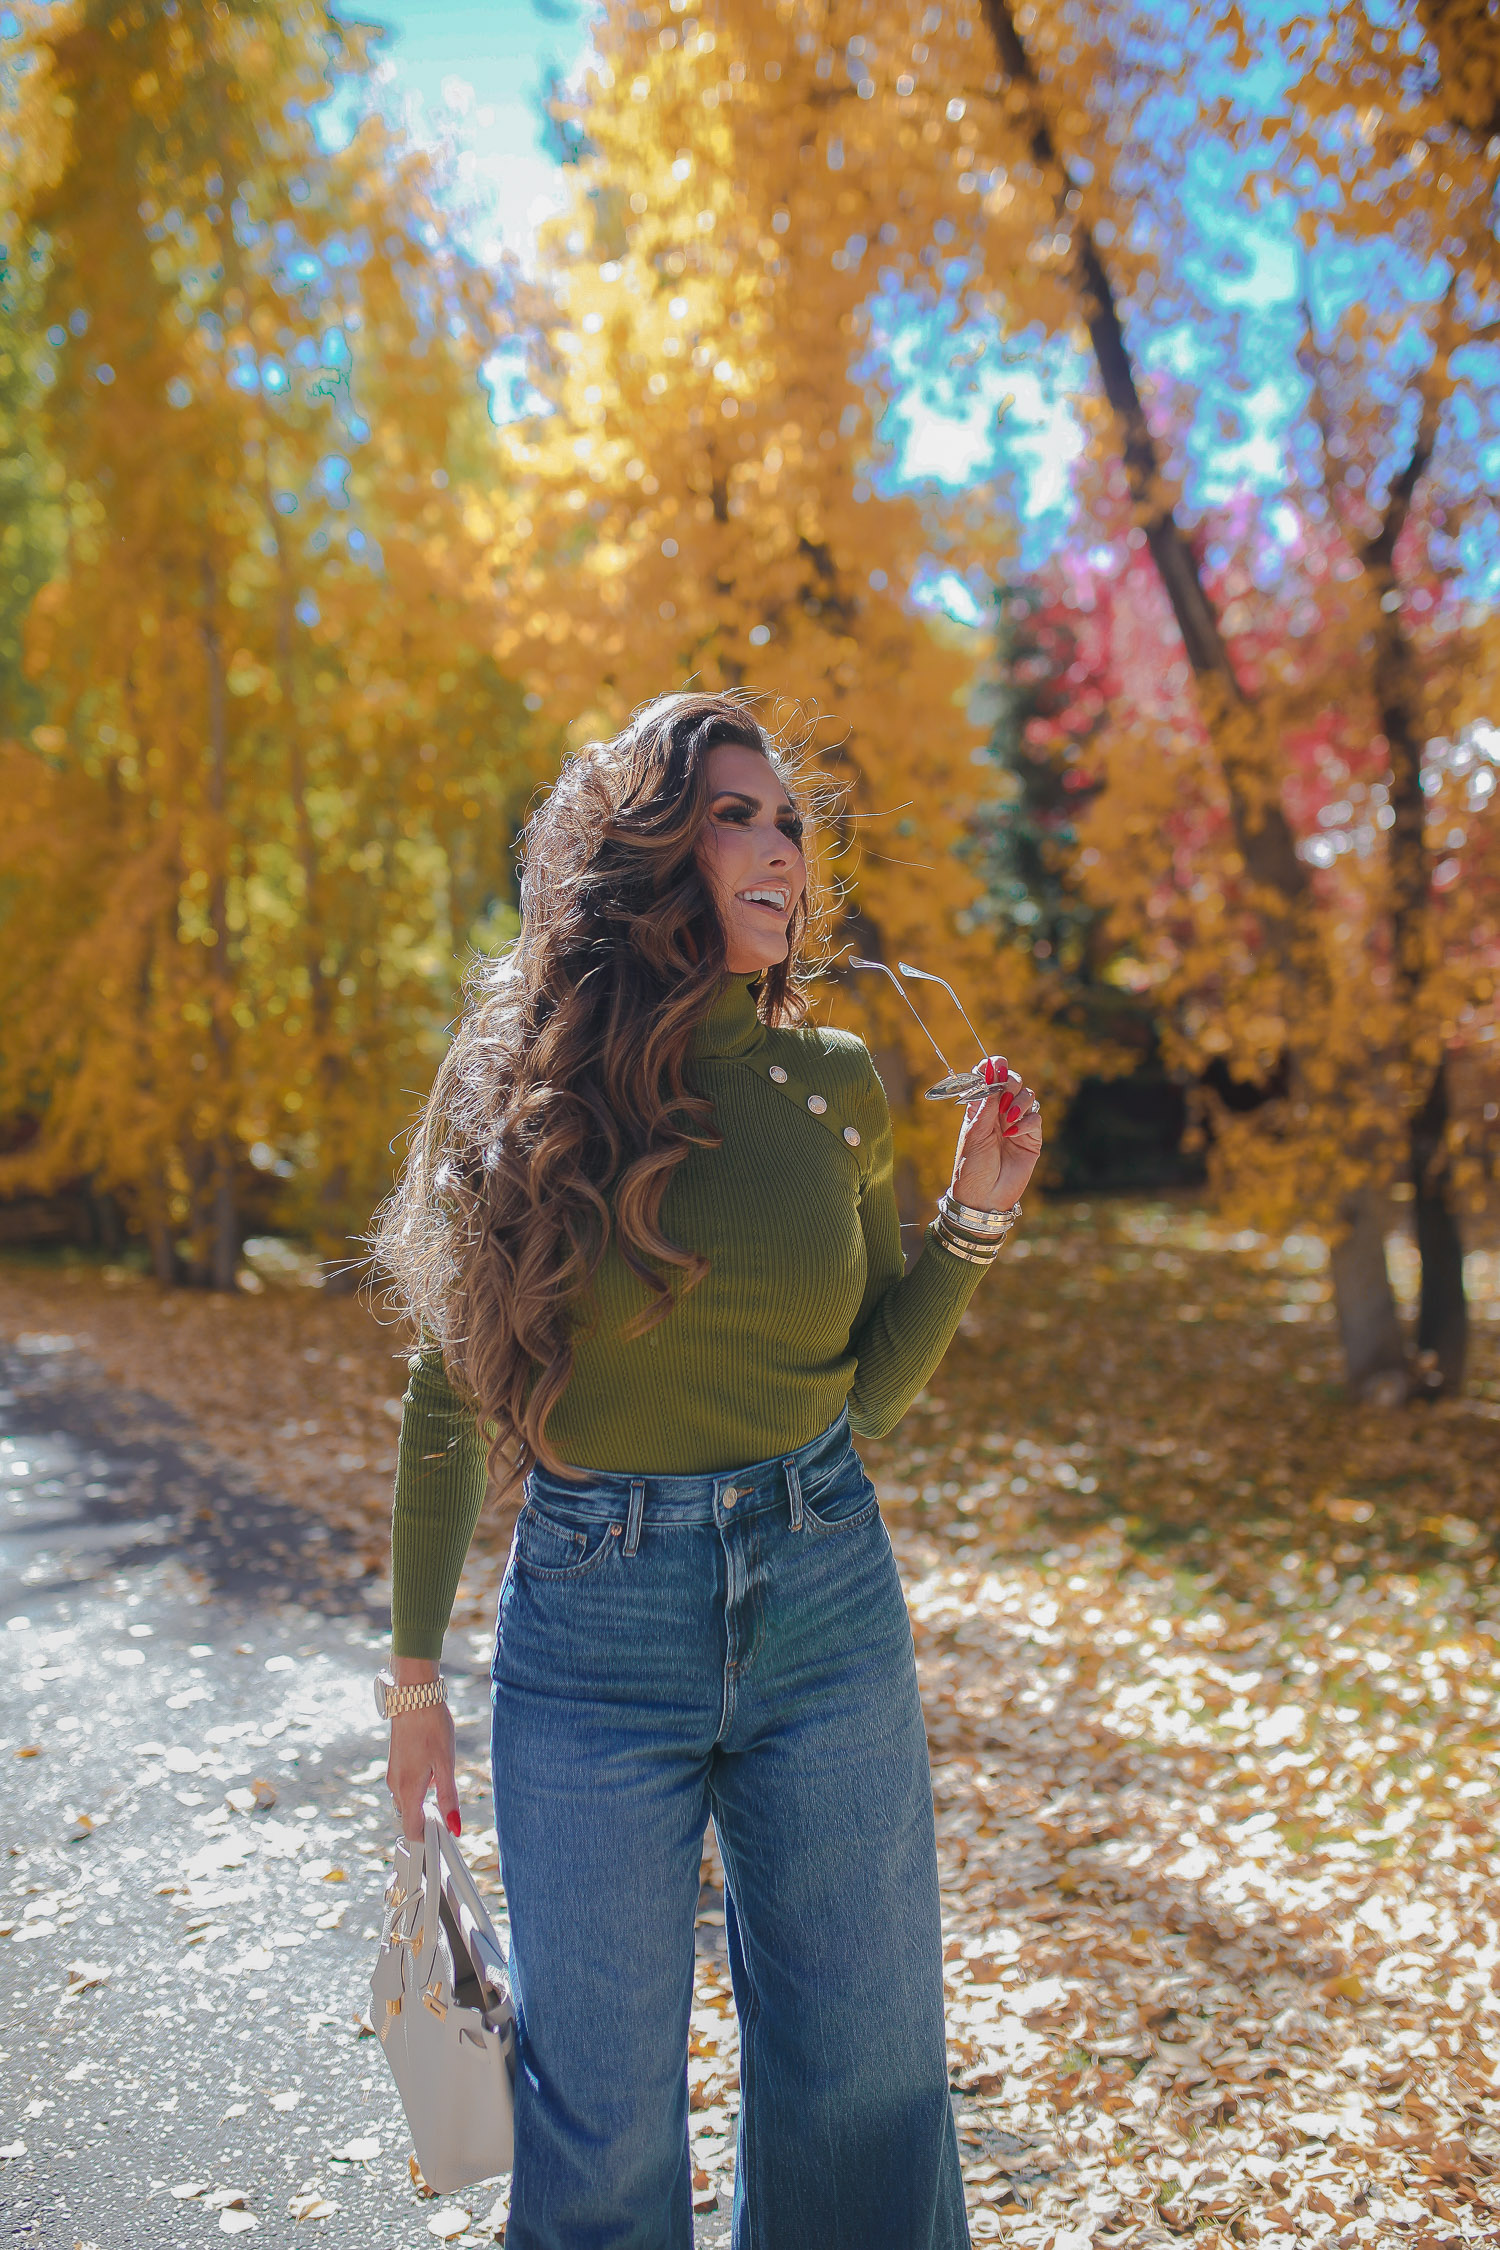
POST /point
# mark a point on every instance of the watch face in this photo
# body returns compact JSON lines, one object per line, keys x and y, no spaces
{"x":380,"y":1687}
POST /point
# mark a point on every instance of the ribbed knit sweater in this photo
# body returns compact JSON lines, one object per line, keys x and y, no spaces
{"x":805,"y":1307}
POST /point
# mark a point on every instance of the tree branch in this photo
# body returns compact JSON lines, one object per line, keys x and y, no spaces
{"x":1261,"y":828}
{"x":1379,"y":552}
{"x":1310,"y":359}
{"x":1398,"y":688}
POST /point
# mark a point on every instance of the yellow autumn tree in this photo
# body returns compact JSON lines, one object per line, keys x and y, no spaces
{"x":698,"y":503}
{"x":279,"y":770}
{"x":1395,"y":124}
{"x":1031,"y":166}
{"x":30,"y":517}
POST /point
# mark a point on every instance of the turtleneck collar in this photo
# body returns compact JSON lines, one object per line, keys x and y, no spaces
{"x":732,"y":1026}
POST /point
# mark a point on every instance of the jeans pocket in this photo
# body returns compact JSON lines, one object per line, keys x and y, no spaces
{"x":547,"y":1546}
{"x":843,"y":1501}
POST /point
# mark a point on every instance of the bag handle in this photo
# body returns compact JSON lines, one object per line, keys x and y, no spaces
{"x":473,"y":1918}
{"x":432,"y":1859}
{"x":444,"y":1864}
{"x":449,"y":1856}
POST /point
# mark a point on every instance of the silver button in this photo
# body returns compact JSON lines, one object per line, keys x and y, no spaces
{"x":851,"y":1135}
{"x":730,"y":1497}
{"x":816,"y":1104}
{"x":778,"y":1074}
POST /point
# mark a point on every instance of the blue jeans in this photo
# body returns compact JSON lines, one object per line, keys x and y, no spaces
{"x":671,"y":1647}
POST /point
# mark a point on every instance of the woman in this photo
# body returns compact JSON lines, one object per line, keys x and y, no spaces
{"x":648,"y":1219}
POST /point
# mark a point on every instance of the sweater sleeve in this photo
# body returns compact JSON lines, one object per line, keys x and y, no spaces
{"x":441,"y":1479}
{"x":906,"y":1320}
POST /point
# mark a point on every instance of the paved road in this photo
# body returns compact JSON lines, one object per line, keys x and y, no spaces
{"x":181,"y":1981}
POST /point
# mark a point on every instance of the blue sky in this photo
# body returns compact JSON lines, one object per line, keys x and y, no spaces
{"x":473,"y":71}
{"x":967,"y":406}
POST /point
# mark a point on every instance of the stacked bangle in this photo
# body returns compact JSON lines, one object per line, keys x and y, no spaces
{"x":971,"y":1233}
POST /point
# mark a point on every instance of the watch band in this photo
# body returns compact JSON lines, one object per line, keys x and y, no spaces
{"x":392,"y":1701}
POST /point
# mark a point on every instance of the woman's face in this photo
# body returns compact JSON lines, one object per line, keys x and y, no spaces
{"x":750,"y":851}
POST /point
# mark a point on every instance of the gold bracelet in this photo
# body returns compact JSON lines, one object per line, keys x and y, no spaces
{"x":961,"y":1246}
{"x":976,"y":1225}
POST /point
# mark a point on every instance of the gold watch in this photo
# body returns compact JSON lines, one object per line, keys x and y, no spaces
{"x":391,"y":1701}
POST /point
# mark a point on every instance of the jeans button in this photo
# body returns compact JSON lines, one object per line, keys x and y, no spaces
{"x":730,"y":1497}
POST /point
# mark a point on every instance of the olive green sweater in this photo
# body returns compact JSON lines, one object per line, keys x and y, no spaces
{"x":805,"y":1307}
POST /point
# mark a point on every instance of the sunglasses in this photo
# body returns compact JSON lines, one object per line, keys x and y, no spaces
{"x":959,"y":1085}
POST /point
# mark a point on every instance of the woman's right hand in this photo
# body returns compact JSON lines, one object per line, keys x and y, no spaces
{"x":422,"y":1757}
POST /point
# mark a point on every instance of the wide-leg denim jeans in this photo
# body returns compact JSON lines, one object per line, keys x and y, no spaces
{"x":671,"y":1647}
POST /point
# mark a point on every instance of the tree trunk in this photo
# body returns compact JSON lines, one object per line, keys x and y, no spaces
{"x":1443,"y":1317}
{"x":163,"y":1253}
{"x":1374,"y":1349}
{"x":317,"y":937}
{"x":1443,"y":1323}
{"x":160,"y":1239}
{"x":224,"y":1247}
{"x":223,"y":1227}
{"x":107,"y":1225}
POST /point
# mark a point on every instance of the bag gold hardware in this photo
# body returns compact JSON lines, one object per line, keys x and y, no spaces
{"x":454,"y":2076}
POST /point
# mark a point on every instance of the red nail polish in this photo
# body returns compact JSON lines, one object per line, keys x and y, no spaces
{"x":455,"y":1825}
{"x":989,"y":1072}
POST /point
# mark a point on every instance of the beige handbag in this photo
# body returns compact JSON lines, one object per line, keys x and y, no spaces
{"x":440,"y":2003}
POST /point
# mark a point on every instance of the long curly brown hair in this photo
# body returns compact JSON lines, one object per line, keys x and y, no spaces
{"x":564,"y":1105}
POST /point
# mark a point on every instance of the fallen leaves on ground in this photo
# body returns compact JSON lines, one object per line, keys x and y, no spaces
{"x":361,"y":2151}
{"x":1210,"y":1661}
{"x":312,"y":2206}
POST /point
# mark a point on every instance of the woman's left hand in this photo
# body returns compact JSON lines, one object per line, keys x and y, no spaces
{"x":998,"y":1143}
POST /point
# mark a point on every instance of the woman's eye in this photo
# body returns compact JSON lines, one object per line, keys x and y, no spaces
{"x":742,"y":816}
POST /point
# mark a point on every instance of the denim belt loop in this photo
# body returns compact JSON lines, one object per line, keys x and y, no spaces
{"x":633,"y":1520}
{"x":794,"y":1493}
